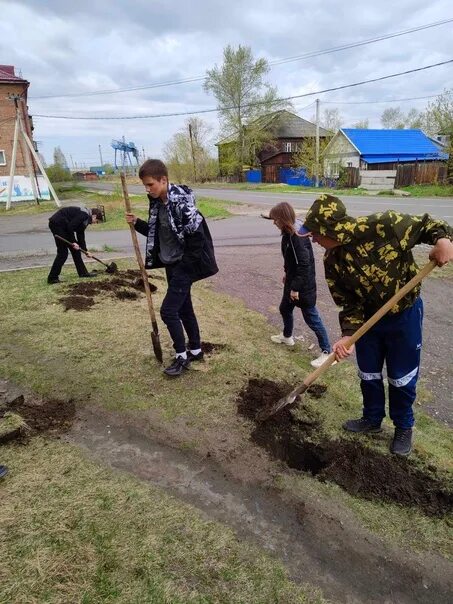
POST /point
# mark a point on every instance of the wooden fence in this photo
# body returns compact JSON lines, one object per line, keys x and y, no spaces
{"x":351,"y":178}
{"x":420,"y":174}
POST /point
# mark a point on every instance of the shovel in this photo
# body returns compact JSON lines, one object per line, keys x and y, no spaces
{"x":154,"y":329}
{"x":268,"y":412}
{"x":111,"y":268}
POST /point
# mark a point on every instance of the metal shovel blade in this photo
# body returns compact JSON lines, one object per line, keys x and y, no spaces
{"x":157,"y":347}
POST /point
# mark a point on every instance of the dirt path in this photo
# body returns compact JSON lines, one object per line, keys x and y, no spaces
{"x":254,"y":274}
{"x":319,"y":545}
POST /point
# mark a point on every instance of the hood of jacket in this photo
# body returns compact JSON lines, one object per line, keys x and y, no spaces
{"x":328,"y":217}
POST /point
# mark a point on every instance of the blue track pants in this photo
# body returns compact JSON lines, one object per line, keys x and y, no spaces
{"x":397,"y":340}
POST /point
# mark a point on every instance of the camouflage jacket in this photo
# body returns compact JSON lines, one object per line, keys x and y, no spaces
{"x":374,"y":258}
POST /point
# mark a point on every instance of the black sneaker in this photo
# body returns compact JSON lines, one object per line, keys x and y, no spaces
{"x":177,"y":367}
{"x":402,"y":441}
{"x":195,"y":357}
{"x":3,"y":471}
{"x":361,"y":425}
{"x":51,"y":281}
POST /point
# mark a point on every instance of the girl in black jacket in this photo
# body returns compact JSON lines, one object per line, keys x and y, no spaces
{"x":299,"y":281}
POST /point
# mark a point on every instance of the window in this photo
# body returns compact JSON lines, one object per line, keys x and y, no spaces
{"x":2,"y":158}
{"x":287,"y":147}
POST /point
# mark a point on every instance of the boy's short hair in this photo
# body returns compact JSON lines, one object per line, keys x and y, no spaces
{"x":98,"y":213}
{"x":154,"y":168}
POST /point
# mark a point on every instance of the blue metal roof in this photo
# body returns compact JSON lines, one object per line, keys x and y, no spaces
{"x":393,"y":145}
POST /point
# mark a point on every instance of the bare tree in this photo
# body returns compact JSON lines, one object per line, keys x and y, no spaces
{"x":393,"y":118}
{"x":363,"y":124}
{"x":187,"y":153}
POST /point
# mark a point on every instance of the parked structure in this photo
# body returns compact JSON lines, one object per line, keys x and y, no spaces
{"x":379,"y":150}
{"x":12,"y":85}
{"x":288,"y":132}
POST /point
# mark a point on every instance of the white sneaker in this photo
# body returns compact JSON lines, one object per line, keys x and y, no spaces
{"x":280,"y":339}
{"x":320,"y":360}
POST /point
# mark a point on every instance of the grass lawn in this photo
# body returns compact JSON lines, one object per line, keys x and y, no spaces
{"x":74,"y":531}
{"x":114,"y":206}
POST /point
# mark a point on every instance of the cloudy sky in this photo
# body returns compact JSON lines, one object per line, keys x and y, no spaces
{"x":67,"y":47}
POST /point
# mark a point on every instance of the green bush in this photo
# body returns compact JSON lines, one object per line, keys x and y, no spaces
{"x":58,"y":174}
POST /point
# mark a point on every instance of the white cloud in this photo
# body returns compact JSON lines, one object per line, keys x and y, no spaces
{"x":64,"y":47}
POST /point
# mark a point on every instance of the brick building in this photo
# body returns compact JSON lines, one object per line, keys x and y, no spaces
{"x":11,"y":84}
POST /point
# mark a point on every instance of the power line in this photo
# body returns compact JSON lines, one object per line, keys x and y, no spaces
{"x":289,"y":98}
{"x":307,"y":55}
{"x":414,"y":98}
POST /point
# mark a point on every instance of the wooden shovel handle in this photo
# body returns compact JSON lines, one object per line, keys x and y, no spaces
{"x":138,"y":255}
{"x":373,"y":320}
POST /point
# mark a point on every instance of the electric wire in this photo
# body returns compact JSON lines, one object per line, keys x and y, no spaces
{"x":288,"y":98}
{"x":307,"y":55}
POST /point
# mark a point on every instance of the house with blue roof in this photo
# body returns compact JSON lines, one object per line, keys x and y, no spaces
{"x":379,"y":149}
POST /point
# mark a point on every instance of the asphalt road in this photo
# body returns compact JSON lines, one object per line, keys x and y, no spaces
{"x":357,"y":205}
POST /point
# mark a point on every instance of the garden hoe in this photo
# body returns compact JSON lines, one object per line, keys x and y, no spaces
{"x":111,"y":268}
{"x":268,"y":412}
{"x":154,"y":329}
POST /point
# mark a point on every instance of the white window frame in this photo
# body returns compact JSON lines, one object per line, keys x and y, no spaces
{"x":2,"y":163}
{"x":287,"y":147}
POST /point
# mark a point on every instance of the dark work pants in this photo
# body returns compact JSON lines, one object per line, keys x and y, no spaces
{"x":177,"y":311}
{"x":62,"y":255}
{"x":397,"y":340}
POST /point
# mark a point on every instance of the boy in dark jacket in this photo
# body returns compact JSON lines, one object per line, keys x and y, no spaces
{"x":367,"y":260}
{"x":177,"y":238}
{"x":70,"y":223}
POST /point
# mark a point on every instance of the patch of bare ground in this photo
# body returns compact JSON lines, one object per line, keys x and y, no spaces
{"x":358,"y":469}
{"x":126,"y":285}
{"x":230,"y":481}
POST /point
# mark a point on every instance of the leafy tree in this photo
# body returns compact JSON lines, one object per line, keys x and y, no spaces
{"x":306,"y":156}
{"x":187,"y":153}
{"x":59,"y":158}
{"x":243,"y":97}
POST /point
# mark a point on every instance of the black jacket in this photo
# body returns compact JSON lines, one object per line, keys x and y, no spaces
{"x":70,"y":223}
{"x":198,"y":260}
{"x":299,"y":265}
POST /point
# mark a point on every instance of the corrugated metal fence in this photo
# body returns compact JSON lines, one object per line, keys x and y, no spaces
{"x":420,"y":174}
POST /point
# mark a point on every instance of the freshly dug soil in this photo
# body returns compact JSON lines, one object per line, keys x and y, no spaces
{"x":358,"y":469}
{"x":76,"y":303}
{"x":209,"y":347}
{"x":49,"y":417}
{"x":81,"y":295}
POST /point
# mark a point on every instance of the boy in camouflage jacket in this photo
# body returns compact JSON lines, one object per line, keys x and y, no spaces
{"x":367,"y":260}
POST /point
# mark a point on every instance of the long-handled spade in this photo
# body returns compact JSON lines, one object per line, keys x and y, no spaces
{"x":111,"y":268}
{"x":268,"y":412}
{"x":154,"y":328}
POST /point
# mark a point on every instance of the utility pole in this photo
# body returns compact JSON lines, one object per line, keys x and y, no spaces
{"x":317,"y":146}
{"x":193,"y":154}
{"x":100,"y":155}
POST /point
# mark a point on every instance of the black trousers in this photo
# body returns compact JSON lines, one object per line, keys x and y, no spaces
{"x":177,"y":311}
{"x":62,"y":255}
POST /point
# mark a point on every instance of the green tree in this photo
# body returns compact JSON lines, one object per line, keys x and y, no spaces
{"x":306,"y":156}
{"x":187,"y":153}
{"x":243,"y":96}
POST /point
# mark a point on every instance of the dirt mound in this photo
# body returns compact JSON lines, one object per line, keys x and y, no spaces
{"x":43,"y":417}
{"x":361,"y":471}
{"x":209,"y":347}
{"x":81,"y":296}
{"x":76,"y":302}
